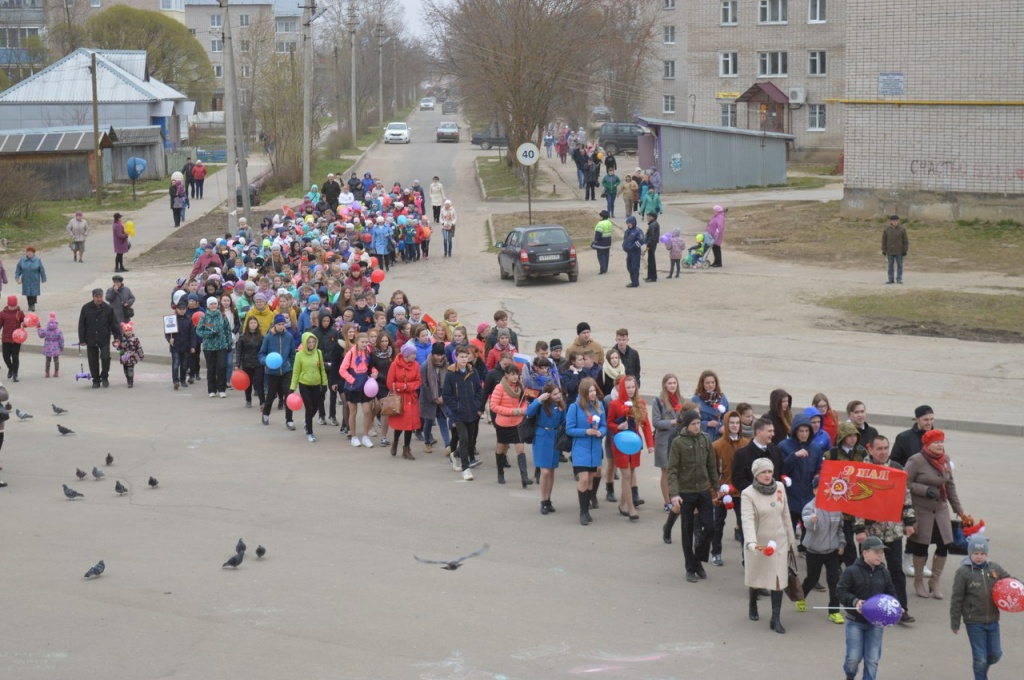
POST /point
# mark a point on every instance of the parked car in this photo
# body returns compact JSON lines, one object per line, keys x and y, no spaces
{"x":427,"y":104}
{"x":397,"y":132}
{"x":539,"y":250}
{"x":616,"y":137}
{"x":450,"y":106}
{"x":448,"y":132}
{"x":489,"y":139}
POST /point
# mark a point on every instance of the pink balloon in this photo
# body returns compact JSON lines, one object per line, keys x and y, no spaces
{"x":294,"y":401}
{"x":371,"y":388}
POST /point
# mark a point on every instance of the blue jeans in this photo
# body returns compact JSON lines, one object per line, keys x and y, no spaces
{"x":229,"y":365}
{"x":442,"y":424}
{"x":863,"y":641}
{"x":179,"y":367}
{"x":446,"y":235}
{"x":898,"y":260}
{"x":985,"y":647}
{"x":610,"y":197}
{"x":581,"y":177}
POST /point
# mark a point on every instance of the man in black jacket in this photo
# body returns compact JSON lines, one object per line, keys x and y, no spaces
{"x":190,"y":182}
{"x":759,"y":447}
{"x":630,"y":357}
{"x":908,"y":442}
{"x":651,"y":243}
{"x":96,"y":325}
{"x":331,"y":190}
{"x":864,"y":579}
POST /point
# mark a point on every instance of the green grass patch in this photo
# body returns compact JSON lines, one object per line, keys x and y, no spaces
{"x":500,"y":181}
{"x":810,"y":168}
{"x":579,"y":224}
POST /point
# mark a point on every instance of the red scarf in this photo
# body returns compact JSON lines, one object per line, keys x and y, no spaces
{"x":939,"y":461}
{"x":673,"y":399}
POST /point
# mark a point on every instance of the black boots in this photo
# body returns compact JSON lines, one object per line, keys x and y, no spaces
{"x":776,"y":623}
{"x":584,"y":498}
{"x":609,"y":495}
{"x":753,"y":605}
{"x":521,"y":459}
{"x":595,"y":484}
{"x":394,"y":445}
{"x":637,"y":501}
{"x":546,"y":507}
{"x":500,"y":460}
{"x":666,"y":531}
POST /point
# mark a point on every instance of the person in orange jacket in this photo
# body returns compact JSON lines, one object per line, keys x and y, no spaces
{"x":628,"y":413}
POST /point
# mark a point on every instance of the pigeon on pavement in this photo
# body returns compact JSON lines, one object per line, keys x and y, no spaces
{"x":97,"y":473}
{"x":120,"y":488}
{"x":235,"y":560}
{"x":80,"y":473}
{"x":110,"y":459}
{"x":260,"y":551}
{"x":21,"y":414}
{"x":96,"y":570}
{"x":58,"y":410}
{"x":153,"y":482}
{"x":64,"y":430}
{"x":452,"y":565}
{"x":240,"y":546}
{"x":71,"y":493}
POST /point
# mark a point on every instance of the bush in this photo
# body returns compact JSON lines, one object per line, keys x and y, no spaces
{"x":336,"y":141}
{"x":18,"y":191}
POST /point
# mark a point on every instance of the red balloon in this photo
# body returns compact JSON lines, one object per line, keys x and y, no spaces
{"x":19,"y":335}
{"x":1008,"y":595}
{"x":377,"y":276}
{"x":240,"y":380}
{"x":294,"y":401}
{"x":373,"y":261}
{"x":367,"y":237}
{"x":31,"y":320}
{"x":196,"y":317}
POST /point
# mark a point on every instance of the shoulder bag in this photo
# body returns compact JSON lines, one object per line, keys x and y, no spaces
{"x":391,"y":405}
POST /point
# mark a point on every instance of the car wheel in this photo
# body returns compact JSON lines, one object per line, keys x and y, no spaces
{"x":486,"y":146}
{"x":519,"y":276}
{"x":504,"y":276}
{"x":574,"y":276}
{"x":611,"y":148}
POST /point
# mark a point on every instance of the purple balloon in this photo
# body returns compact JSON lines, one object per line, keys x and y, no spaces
{"x":370,"y":388}
{"x":666,"y":238}
{"x":882,"y":610}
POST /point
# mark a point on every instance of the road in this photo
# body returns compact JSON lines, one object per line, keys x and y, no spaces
{"x":339,"y":594}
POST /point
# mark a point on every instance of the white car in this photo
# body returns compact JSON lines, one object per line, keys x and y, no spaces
{"x":427,"y":104}
{"x":397,"y":132}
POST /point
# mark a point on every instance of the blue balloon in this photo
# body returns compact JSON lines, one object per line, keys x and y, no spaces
{"x":628,"y":442}
{"x":882,"y":610}
{"x":136,"y":166}
{"x":274,"y":361}
{"x":402,"y":220}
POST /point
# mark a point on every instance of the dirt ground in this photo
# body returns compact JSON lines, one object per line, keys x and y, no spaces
{"x":927,"y":329}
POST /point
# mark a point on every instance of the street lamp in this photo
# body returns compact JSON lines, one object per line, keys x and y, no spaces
{"x":353,"y":23}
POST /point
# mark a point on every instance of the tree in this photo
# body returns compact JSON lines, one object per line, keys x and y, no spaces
{"x":630,"y":50}
{"x":273,"y":102}
{"x":173,"y":54}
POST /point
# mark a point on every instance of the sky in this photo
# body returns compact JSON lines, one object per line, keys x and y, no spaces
{"x":414,"y":18}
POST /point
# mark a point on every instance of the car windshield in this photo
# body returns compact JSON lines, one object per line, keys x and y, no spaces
{"x":396,"y":127}
{"x":447,"y":126}
{"x":546,"y":237}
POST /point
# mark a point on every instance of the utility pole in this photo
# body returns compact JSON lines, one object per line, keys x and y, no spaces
{"x":307,"y":89}
{"x":229,"y":128}
{"x":96,"y":133}
{"x":394,"y":79}
{"x":353,"y":24}
{"x":238,"y":140}
{"x":380,"y":80}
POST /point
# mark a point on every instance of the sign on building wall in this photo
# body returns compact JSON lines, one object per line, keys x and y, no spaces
{"x":891,"y":82}
{"x":727,"y":95}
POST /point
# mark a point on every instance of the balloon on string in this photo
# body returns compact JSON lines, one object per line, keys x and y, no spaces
{"x":1008,"y":595}
{"x":240,"y":380}
{"x":426,"y":232}
{"x":666,"y":238}
{"x":31,"y":320}
{"x":196,"y":317}
{"x":628,"y":442}
{"x":274,"y":361}
{"x":881,"y":610}
{"x":371,"y":388}
{"x":373,"y":262}
{"x":402,"y":220}
{"x":19,"y":335}
{"x":294,"y":401}
{"x":377,"y":276}
{"x":129,"y":228}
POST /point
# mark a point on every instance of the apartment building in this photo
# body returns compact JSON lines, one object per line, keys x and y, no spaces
{"x":667,"y":93}
{"x":771,"y":65}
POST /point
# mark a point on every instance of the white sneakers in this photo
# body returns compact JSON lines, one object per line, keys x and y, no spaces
{"x":467,"y":475}
{"x":222,"y":395}
{"x":356,"y":442}
{"x":367,"y":442}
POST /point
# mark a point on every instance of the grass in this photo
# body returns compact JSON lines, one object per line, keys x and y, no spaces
{"x":815,"y":233}
{"x":580,"y":225}
{"x":791,"y":183}
{"x":970,"y":315}
{"x":811,"y":169}
{"x":501,"y":182}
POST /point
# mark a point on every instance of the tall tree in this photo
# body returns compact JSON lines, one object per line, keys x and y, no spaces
{"x":630,"y":52}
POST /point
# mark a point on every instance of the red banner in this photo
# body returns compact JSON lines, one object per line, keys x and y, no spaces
{"x":873,"y":492}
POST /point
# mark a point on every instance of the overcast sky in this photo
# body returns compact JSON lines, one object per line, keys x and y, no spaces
{"x":414,"y":17}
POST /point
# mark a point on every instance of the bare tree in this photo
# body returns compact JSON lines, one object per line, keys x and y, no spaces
{"x":629,"y":53}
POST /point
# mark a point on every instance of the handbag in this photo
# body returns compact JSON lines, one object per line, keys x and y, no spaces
{"x":794,"y":589}
{"x":563,"y":442}
{"x":391,"y":405}
{"x":527,"y":429}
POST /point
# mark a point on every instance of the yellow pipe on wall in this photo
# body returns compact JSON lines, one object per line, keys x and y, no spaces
{"x":922,"y":102}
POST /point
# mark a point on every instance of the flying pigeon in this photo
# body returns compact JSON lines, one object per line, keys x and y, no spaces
{"x":58,"y":410}
{"x":260,"y":551}
{"x":80,"y":473}
{"x":235,"y":560}
{"x":120,"y":488}
{"x":110,"y":459}
{"x":97,"y":473}
{"x":71,"y":493}
{"x":452,"y":565}
{"x":64,"y":430}
{"x":153,"y":482}
{"x":96,"y":570}
{"x":240,"y":546}
{"x":21,"y":414}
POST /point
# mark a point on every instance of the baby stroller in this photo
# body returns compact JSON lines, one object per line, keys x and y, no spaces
{"x":699,"y":255}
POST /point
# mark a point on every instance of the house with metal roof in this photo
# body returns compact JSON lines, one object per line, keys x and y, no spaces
{"x":59,"y":158}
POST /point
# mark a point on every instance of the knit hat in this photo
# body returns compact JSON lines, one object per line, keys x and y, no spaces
{"x":313,"y":298}
{"x":481,"y":327}
{"x":932,"y":436}
{"x":922,"y":410}
{"x":52,"y":316}
{"x":977,"y":544}
{"x":408,"y":351}
{"x":582,"y":326}
{"x":259,"y":297}
{"x":212,"y":301}
{"x":279,"y":318}
{"x":126,"y":327}
{"x":845,"y":430}
{"x":95,"y":292}
{"x":399,"y":310}
{"x":503,"y":333}
{"x":555,"y":344}
{"x":12,"y":300}
{"x":872,"y":543}
{"x":690,"y":416}
{"x":437,"y":349}
{"x":759,"y":465}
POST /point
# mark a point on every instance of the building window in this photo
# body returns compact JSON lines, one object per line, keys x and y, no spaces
{"x":286,"y":25}
{"x":816,"y":63}
{"x":669,"y":69}
{"x":670,"y":35}
{"x":172,"y":5}
{"x":216,"y":20}
{"x":728,"y":64}
{"x":816,"y":11}
{"x":216,"y":45}
{"x":218,"y":71}
{"x":243,"y":20}
{"x":727,"y":115}
{"x":815,"y":116}
{"x":670,"y":4}
{"x":94,"y":3}
{"x":243,"y":45}
{"x":246,"y":71}
{"x":772,"y":64}
{"x":773,"y":11}
{"x":284,"y":47}
{"x":729,"y":13}
{"x":668,"y":103}
{"x":192,"y":31}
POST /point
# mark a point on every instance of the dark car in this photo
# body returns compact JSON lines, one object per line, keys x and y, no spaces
{"x":489,"y":139}
{"x":450,"y":106}
{"x":540,"y":250}
{"x":616,"y":137}
{"x":448,"y":132}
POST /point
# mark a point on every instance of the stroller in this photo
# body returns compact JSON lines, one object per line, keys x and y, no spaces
{"x":699,"y":256}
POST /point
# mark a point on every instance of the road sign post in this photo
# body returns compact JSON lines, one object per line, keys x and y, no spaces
{"x":528,"y":154}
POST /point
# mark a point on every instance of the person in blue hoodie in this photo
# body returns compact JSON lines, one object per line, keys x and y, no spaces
{"x":312,"y":305}
{"x":819,"y":435}
{"x":711,"y":403}
{"x":801,"y":462}
{"x":278,"y":340}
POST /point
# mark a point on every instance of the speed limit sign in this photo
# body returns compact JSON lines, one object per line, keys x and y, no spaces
{"x":528,"y":153}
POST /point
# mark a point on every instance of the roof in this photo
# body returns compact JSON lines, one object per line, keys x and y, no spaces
{"x":121,"y":78}
{"x":127,"y":136}
{"x":282,"y":8}
{"x":773,"y":93}
{"x":77,"y":138}
{"x":662,"y":122}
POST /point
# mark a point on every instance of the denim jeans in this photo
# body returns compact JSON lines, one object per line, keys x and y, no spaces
{"x":580,"y":176}
{"x":446,"y":235}
{"x":985,"y":647}
{"x":442,"y":424}
{"x":863,"y":641}
{"x":898,"y":260}
{"x":179,"y":367}
{"x":610,"y":198}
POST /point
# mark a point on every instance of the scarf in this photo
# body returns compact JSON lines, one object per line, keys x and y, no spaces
{"x":764,"y":489}
{"x":673,"y":400}
{"x":613,"y":374}
{"x":939,"y":461}
{"x":516,"y":393}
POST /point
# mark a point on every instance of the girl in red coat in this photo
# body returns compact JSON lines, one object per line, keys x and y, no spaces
{"x":628,"y":412}
{"x":404,"y":380}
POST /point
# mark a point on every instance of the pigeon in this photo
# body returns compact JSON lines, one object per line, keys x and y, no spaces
{"x":71,"y":493}
{"x":58,"y":410}
{"x":21,"y":414}
{"x":80,"y":473}
{"x":64,"y":430}
{"x":110,"y":459}
{"x":97,"y":473}
{"x":235,"y":560}
{"x":153,"y":482}
{"x":120,"y":488}
{"x":452,"y":565}
{"x":240,"y":546}
{"x":260,"y":551}
{"x":96,"y":570}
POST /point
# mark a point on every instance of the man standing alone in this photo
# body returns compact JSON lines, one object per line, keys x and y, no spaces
{"x":894,"y":247}
{"x":78,"y":231}
{"x":96,"y":325}
{"x":651,"y":243}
